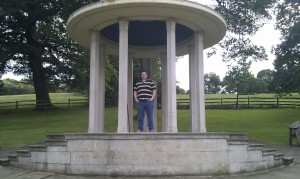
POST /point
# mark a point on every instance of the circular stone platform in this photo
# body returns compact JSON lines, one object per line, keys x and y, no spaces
{"x":147,"y":29}
{"x":147,"y":154}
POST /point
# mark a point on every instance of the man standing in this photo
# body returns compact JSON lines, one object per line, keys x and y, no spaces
{"x":144,"y":94}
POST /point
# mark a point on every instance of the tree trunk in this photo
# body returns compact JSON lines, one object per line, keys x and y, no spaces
{"x":43,"y":101}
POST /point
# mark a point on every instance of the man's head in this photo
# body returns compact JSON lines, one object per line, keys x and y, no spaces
{"x":144,"y":75}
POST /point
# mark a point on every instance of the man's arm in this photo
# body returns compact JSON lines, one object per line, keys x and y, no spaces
{"x":153,"y":95}
{"x":135,"y":96}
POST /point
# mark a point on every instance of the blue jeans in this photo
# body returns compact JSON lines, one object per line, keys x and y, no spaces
{"x":145,"y":106}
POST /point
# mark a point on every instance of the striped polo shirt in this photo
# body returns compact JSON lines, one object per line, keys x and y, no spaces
{"x":144,"y":89}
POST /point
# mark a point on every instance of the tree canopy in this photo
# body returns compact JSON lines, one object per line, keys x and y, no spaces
{"x":287,"y":62}
{"x":34,"y":42}
{"x":244,"y":19}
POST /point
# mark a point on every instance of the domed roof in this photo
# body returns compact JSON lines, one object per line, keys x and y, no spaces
{"x":147,"y":28}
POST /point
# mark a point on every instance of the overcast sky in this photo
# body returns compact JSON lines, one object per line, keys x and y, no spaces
{"x":267,"y":37}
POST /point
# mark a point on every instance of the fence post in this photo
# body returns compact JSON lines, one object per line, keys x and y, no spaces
{"x":277,"y":102}
{"x":221,"y":102}
{"x":69,"y":103}
{"x":237,"y":102}
{"x":17,"y":105}
{"x":248,"y":101}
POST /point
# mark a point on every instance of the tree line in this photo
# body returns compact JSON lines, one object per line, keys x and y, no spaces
{"x":34,"y":43}
{"x":14,"y":87}
{"x":241,"y":81}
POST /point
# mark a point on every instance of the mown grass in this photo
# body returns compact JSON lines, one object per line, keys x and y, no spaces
{"x":265,"y":95}
{"x":264,"y":125}
{"x":28,"y":101}
{"x":55,"y":97}
{"x":29,"y":127}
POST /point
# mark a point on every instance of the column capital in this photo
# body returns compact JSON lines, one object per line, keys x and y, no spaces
{"x":124,"y":19}
{"x":170,"y":19}
{"x":95,"y":36}
{"x":123,"y":23}
{"x":198,"y":35}
{"x":171,"y":24}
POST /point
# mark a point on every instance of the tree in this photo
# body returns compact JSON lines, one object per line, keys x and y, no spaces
{"x":14,"y":87}
{"x":287,"y":62}
{"x":34,"y":42}
{"x":265,"y":79}
{"x":179,"y":90}
{"x":240,"y":80}
{"x":244,"y":18}
{"x":212,"y":83}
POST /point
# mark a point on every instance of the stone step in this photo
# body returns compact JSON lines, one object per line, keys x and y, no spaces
{"x":288,"y":160}
{"x":4,"y":162}
{"x":57,"y":136}
{"x":56,"y":142}
{"x":238,"y":137}
{"x":13,"y":157}
{"x":37,"y":148}
{"x":266,"y":152}
{"x":256,"y":146}
{"x":23,"y":153}
{"x":237,"y":142}
{"x":278,"y":156}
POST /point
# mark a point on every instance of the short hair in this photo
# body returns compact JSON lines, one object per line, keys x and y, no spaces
{"x":144,"y":71}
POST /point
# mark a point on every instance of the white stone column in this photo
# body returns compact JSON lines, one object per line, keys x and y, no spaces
{"x":130,"y":91}
{"x":97,"y":85}
{"x":164,"y":92}
{"x":199,"y":73}
{"x":151,"y":62}
{"x":123,"y":121}
{"x":194,"y":120}
{"x":171,"y":76}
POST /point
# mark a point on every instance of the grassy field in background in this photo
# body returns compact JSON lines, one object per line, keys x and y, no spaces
{"x":63,"y":97}
{"x":207,"y":96}
{"x":55,"y":97}
{"x":27,"y":102}
{"x":264,"y":125}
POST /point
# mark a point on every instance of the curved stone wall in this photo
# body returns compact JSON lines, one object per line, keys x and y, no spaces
{"x":147,"y":154}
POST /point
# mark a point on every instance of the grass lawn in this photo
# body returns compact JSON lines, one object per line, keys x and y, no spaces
{"x":264,"y":125}
{"x":27,"y":101}
{"x":30,"y":127}
{"x":55,"y":97}
{"x":208,"y":96}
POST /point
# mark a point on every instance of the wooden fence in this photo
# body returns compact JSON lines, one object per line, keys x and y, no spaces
{"x":210,"y":103}
{"x":30,"y":104}
{"x":245,"y":102}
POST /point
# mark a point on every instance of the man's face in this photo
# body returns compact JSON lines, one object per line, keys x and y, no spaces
{"x":144,"y":76}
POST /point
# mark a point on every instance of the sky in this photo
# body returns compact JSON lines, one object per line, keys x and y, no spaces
{"x":266,"y":37}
